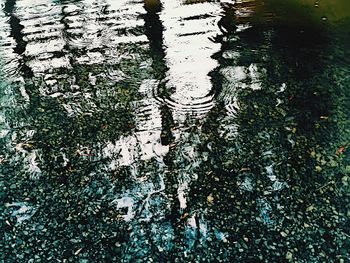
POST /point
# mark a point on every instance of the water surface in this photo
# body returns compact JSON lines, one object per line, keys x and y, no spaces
{"x":180,"y":131}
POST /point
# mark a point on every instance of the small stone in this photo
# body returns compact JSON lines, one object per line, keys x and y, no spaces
{"x":310,"y":208}
{"x":345,"y":180}
{"x":333,"y":163}
{"x":78,"y":251}
{"x":289,"y":255}
{"x":284,"y":234}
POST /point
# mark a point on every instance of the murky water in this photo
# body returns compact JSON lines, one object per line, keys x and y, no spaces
{"x":180,"y":131}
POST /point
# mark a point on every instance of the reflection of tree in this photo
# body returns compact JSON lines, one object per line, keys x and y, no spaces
{"x":154,"y":33}
{"x":17,"y":34}
{"x":16,"y":26}
{"x":281,"y":103}
{"x":74,"y":111}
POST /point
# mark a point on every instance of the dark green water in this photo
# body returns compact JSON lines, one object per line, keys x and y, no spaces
{"x":183,"y":132}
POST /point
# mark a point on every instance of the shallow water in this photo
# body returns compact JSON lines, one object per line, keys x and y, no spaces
{"x":191,"y":131}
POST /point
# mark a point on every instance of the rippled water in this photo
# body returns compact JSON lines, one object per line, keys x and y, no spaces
{"x":180,"y":131}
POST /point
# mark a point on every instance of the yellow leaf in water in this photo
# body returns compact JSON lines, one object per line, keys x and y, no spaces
{"x":312,"y":153}
{"x":210,"y":199}
{"x":18,"y":147}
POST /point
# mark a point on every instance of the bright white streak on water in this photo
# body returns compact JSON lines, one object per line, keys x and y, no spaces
{"x":188,"y":30}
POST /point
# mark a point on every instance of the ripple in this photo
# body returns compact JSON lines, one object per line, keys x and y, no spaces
{"x":188,"y":55}
{"x":202,"y":105}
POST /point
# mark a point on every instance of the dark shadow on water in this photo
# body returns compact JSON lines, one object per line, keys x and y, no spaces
{"x":16,"y":33}
{"x":266,"y":177}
